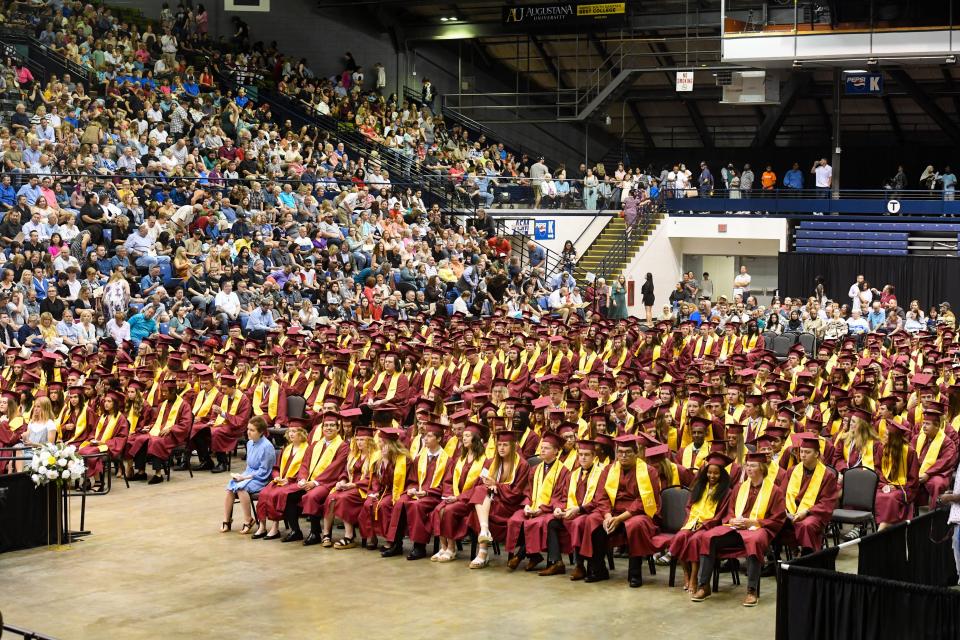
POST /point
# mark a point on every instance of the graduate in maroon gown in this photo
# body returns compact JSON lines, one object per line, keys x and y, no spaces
{"x":318,"y":476}
{"x":449,"y":520}
{"x":938,"y":458}
{"x":202,"y":406}
{"x":411,"y":512}
{"x":169,"y":426}
{"x":348,"y":495}
{"x":755,"y":515}
{"x":109,"y":434}
{"x":527,"y":527}
{"x":899,"y":473}
{"x":389,"y":479}
{"x":581,"y":492}
{"x":499,"y":495}
{"x":273,"y":498}
{"x":232,"y":413}
{"x":628,"y":516}
{"x":705,"y":509}
{"x":810,"y":497}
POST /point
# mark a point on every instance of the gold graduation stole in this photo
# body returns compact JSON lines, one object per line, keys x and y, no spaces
{"x":933,"y":451}
{"x":291,"y":459}
{"x":321,"y":393}
{"x":866,"y":457}
{"x":749,"y":342}
{"x":644,"y":486}
{"x":710,"y":339}
{"x":438,"y":470}
{"x":688,"y":461}
{"x":320,"y":465}
{"x":429,"y":376}
{"x":273,"y":400}
{"x":585,"y":365}
{"x":399,"y":477}
{"x":810,"y":495}
{"x":728,"y":346}
{"x":391,"y":386}
{"x":593,"y":480}
{"x":759,"y":510}
{"x":571,"y":460}
{"x":887,"y":466}
{"x":203,"y":403}
{"x":557,"y":363}
{"x":415,"y":445}
{"x":474,"y":375}
{"x":543,"y":486}
{"x":512,"y":373}
{"x":160,"y":424}
{"x":702,"y":510}
{"x":472,"y":474}
{"x":232,"y":410}
{"x":451,"y":446}
{"x":106,"y":426}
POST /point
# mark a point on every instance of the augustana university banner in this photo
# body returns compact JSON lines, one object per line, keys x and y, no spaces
{"x":561,"y":15}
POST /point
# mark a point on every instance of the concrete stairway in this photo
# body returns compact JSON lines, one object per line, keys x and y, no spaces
{"x":593,"y":259}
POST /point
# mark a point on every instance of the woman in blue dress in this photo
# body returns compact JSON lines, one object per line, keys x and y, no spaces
{"x":261,"y":456}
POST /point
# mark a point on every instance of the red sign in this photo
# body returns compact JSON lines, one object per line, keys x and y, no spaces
{"x":721,"y":228}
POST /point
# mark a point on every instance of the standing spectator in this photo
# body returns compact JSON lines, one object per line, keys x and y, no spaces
{"x":746,"y":181}
{"x":538,"y":170}
{"x":535,"y":254}
{"x":949,"y":182}
{"x":793,"y":179}
{"x":741,"y":283}
{"x":618,"y":299}
{"x":646,"y":292}
{"x":427,"y":93}
{"x":769,"y":179}
{"x":380,"y":78}
{"x":568,"y":256}
{"x":854,"y":292}
{"x":705,"y":181}
{"x":823,"y":174}
{"x":706,"y":286}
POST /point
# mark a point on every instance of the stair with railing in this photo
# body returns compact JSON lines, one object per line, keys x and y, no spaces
{"x":614,"y":248}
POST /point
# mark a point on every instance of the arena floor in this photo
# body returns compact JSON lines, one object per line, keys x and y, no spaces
{"x":156,"y":566}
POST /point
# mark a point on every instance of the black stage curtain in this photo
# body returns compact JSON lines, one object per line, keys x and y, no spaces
{"x":919,"y":552}
{"x":927,"y":279}
{"x":826,"y":605}
{"x":27,"y":513}
{"x":814,"y":601}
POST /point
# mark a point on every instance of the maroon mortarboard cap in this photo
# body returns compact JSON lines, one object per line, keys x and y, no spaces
{"x":656,"y":452}
{"x":460,"y":416}
{"x":807,"y":440}
{"x":734,"y":428}
{"x":390,"y":433}
{"x":364,"y":431}
{"x":300,"y":423}
{"x":116,"y":395}
{"x":775,"y":431}
{"x":540,"y":403}
{"x":76,"y":390}
{"x":932,"y":413}
{"x":642,"y":405}
{"x":507,"y":436}
{"x":587,"y":444}
{"x":169,"y":383}
{"x":267,"y":368}
{"x":860,"y":413}
{"x":922,"y":379}
{"x":476,"y":429}
{"x":896,"y":425}
{"x":383,"y":414}
{"x":351,"y":414}
{"x":756,"y":456}
{"x":424,"y":406}
{"x":755,"y":400}
{"x":718,"y":458}
{"x":553,"y":438}
{"x":627,"y":440}
{"x":228,"y":378}
{"x":697,"y":421}
{"x":435,"y":428}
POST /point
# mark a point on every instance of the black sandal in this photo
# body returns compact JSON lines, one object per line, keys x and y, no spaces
{"x":247,"y":527}
{"x":225,"y":526}
{"x":326,"y":541}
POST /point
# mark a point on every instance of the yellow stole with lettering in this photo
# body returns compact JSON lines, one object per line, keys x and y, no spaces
{"x":232,"y":410}
{"x":472,"y":474}
{"x":593,"y":480}
{"x":644,"y":486}
{"x":320,"y":465}
{"x":543,"y":486}
{"x":702,"y":510}
{"x":759,"y":510}
{"x":438,"y":469}
{"x":291,"y":459}
{"x":813,"y":489}
{"x":273,"y":399}
{"x":160,"y":424}
{"x":933,"y":452}
{"x":106,"y":426}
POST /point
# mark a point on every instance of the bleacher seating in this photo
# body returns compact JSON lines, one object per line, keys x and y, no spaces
{"x":880,"y":237}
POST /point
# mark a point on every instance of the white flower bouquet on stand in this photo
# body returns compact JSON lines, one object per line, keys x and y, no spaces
{"x":57,"y":463}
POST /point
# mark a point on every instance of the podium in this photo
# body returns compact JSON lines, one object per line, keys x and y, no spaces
{"x":28,"y":514}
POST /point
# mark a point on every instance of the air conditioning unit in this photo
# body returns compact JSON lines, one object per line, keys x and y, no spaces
{"x":724,"y":78}
{"x":751,"y":87}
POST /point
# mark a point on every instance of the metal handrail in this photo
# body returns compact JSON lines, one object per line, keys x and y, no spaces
{"x":26,"y":634}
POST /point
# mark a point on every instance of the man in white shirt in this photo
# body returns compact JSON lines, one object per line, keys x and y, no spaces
{"x":142,"y":250}
{"x":559,"y":302}
{"x":226,"y":306}
{"x":854,"y":292}
{"x":857,"y":323}
{"x":741,"y":283}
{"x":460,"y":304}
{"x":824,"y":177}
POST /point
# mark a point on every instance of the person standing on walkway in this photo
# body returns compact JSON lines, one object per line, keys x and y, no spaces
{"x":646,"y":292}
{"x":618,"y":299}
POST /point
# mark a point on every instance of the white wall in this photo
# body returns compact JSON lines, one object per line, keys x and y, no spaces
{"x":568,"y":227}
{"x":662,"y":255}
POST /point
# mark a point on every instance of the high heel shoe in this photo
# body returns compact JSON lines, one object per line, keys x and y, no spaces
{"x":225,"y":526}
{"x":484,"y":537}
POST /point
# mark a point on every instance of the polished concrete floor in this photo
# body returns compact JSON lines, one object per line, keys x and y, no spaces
{"x":156,"y":567}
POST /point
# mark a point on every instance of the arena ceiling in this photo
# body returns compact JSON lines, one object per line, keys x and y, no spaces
{"x":920,"y":104}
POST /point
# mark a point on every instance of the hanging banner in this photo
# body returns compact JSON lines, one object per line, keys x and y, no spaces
{"x":574,"y":15}
{"x":684,"y":80}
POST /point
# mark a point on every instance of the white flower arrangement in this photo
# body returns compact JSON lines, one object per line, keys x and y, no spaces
{"x":56,"y":462}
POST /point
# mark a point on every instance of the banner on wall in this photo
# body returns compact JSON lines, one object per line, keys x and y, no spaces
{"x":545,"y":230}
{"x":261,"y":6}
{"x":577,"y":15}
